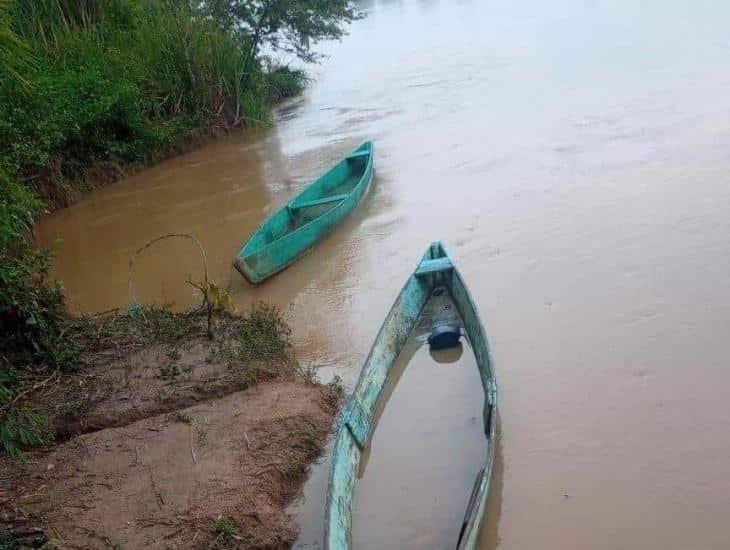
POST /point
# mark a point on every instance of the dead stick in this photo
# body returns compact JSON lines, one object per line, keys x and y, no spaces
{"x":130,"y":281}
{"x":192,"y":450}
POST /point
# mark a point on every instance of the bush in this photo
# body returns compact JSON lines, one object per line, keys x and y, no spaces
{"x":120,"y":81}
{"x":17,"y":208}
{"x":22,"y":428}
{"x":31,"y":319}
{"x":284,"y":82}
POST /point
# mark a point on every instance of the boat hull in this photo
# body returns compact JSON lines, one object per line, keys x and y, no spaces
{"x":257,"y":263}
{"x":435,"y":273}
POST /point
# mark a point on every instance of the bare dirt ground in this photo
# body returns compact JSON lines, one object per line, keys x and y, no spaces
{"x":170,"y":444}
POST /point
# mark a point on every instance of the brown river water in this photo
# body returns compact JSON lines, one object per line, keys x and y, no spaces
{"x":574,"y":157}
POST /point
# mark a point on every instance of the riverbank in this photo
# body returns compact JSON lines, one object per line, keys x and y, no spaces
{"x":92,"y":91}
{"x":166,"y":438}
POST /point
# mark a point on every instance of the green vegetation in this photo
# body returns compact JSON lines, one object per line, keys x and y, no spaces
{"x":285,"y":82}
{"x":290,"y":26}
{"x":223,"y":526}
{"x":90,"y":88}
{"x":262,"y":335}
{"x":117,"y":82}
{"x":31,"y":321}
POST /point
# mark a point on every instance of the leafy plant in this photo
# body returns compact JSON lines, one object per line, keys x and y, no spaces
{"x":223,"y":526}
{"x":22,"y":428}
{"x":32,"y":320}
{"x":169,"y":372}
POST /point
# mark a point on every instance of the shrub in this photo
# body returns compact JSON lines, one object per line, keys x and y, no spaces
{"x":284,"y":82}
{"x":31,"y":319}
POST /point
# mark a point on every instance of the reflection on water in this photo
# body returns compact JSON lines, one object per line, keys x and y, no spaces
{"x":573,"y":156}
{"x":450,"y":355}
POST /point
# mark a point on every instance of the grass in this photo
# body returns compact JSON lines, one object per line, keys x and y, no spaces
{"x":223,"y":526}
{"x":183,"y":417}
{"x":114,"y":83}
{"x":170,"y":372}
{"x":23,"y":428}
{"x":137,"y":326}
{"x":262,"y":335}
{"x":254,"y":347}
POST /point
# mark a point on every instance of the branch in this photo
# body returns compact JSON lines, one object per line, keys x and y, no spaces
{"x":130,"y":282}
{"x":192,"y":450}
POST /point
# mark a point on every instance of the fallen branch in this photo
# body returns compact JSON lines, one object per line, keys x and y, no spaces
{"x":192,"y":450}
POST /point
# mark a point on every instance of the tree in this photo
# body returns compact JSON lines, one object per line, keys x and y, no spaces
{"x":291,"y":26}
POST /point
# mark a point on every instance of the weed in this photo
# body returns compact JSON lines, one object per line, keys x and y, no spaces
{"x":201,"y":431}
{"x":223,"y":526}
{"x":185,"y":418}
{"x":309,"y":373}
{"x":166,"y":394}
{"x":23,"y":428}
{"x":293,"y":468}
{"x":262,"y":335}
{"x":337,"y":386}
{"x":310,"y":437}
{"x":169,"y":372}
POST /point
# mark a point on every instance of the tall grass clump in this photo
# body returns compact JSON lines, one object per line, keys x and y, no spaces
{"x":117,"y":82}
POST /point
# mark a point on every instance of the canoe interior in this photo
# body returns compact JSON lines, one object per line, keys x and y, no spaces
{"x":427,"y":409}
{"x":339,"y":181}
{"x":435,"y":293}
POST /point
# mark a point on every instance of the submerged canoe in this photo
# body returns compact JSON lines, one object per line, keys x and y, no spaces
{"x":307,"y":218}
{"x":434,"y":296}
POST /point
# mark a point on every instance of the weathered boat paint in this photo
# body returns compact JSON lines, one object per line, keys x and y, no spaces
{"x":307,"y":218}
{"x":435,"y":273}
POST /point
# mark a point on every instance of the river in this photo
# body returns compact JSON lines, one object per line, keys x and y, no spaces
{"x":573,"y":156}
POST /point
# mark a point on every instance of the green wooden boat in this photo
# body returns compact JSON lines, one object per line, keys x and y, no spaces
{"x":307,"y":218}
{"x":433,"y":296}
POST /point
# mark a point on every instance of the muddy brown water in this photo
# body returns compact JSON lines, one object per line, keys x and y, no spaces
{"x":574,"y":159}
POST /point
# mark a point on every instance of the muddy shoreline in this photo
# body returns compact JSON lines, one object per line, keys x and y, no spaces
{"x":169,"y":440}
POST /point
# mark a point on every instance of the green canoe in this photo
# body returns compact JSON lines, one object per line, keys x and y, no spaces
{"x":307,"y":218}
{"x":433,"y":297}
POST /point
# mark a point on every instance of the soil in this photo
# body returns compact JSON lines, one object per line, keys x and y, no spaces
{"x":169,"y":445}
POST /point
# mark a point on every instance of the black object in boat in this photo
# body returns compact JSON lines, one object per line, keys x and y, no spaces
{"x":444,"y":336}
